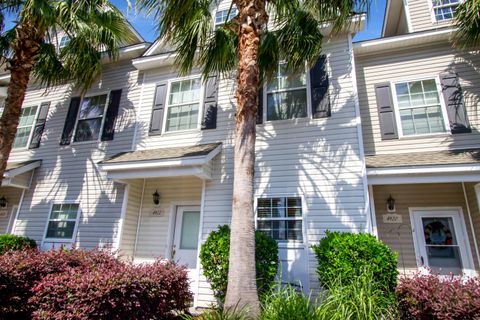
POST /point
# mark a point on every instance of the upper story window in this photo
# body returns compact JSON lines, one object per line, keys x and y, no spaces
{"x":90,"y":118}
{"x":183,"y":105}
{"x":287,"y":95}
{"x":281,"y":218}
{"x":419,"y":107}
{"x":25,"y":127}
{"x":222,"y":16}
{"x":62,"y":221}
{"x":444,"y":9}
{"x":63,"y":42}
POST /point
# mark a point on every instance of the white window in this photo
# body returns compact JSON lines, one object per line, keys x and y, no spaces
{"x":444,"y":9}
{"x":64,"y":41}
{"x":419,"y":107}
{"x":286,"y":95}
{"x":90,"y":118}
{"x":183,"y":105}
{"x":62,"y":222}
{"x":222,"y":16}
{"x":281,"y":218}
{"x":25,"y":127}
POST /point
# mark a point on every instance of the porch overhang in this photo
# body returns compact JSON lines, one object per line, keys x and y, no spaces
{"x":164,"y":162}
{"x":19,"y":174}
{"x":424,"y":167}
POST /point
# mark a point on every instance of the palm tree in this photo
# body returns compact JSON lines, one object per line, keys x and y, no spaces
{"x":467,"y":20}
{"x":31,"y":48}
{"x":263,"y":33}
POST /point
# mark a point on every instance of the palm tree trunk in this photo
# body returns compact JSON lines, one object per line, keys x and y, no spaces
{"x":242,"y":287}
{"x":25,"y":51}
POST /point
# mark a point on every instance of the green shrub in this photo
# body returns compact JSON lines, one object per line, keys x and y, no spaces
{"x":11,"y":242}
{"x":346,"y":255}
{"x":357,"y":298}
{"x":214,"y":258}
{"x":287,"y":304}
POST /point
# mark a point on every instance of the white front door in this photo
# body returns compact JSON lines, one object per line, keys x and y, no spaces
{"x":185,"y":244}
{"x":441,"y":241}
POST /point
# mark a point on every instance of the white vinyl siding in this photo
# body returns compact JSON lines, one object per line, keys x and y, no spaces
{"x":183,"y":107}
{"x":419,"y":108}
{"x":444,"y":9}
{"x":281,"y":218}
{"x":25,"y":127}
{"x":287,"y":95}
{"x":90,"y":118}
{"x":62,"y":222}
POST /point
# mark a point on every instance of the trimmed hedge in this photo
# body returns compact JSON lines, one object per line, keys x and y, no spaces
{"x":439,"y":298}
{"x":214,"y":258}
{"x":12,"y":242}
{"x":77,"y":284}
{"x":348,"y":255}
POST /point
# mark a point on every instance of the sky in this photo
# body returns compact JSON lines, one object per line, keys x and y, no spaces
{"x":146,"y":26}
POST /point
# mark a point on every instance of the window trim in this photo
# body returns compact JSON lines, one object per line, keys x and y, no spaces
{"x":200,"y":102}
{"x":75,"y":229}
{"x":396,"y":107}
{"x":103,"y":118}
{"x":432,"y":12}
{"x":222,"y":7}
{"x":303,"y":218}
{"x":30,"y":136}
{"x":66,"y":41}
{"x":308,"y":92}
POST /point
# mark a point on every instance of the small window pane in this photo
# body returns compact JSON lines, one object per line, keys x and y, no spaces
{"x":88,"y":130}
{"x":182,"y":117}
{"x":93,"y":107}
{"x":287,"y":105}
{"x":60,"y":229}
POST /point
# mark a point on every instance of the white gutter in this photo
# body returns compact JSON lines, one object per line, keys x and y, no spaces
{"x":424,"y":170}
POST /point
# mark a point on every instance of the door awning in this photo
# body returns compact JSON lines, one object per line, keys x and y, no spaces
{"x":19,"y":174}
{"x":164,"y":162}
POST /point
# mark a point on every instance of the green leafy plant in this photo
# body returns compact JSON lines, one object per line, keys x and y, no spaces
{"x":220,"y":314}
{"x":356,"y":298}
{"x":287,"y":303}
{"x":214,"y":255}
{"x":346,"y":256}
{"x":12,"y":242}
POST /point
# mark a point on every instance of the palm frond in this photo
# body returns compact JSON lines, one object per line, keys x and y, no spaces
{"x":467,"y":20}
{"x":268,"y":55}
{"x":221,"y":53}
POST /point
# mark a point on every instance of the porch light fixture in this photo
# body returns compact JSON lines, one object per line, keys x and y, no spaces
{"x":391,"y":204}
{"x":156,"y":198}
{"x":3,"y":202}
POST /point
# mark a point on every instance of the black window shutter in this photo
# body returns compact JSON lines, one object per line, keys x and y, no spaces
{"x":111,"y":115}
{"x":452,"y":94}
{"x":319,"y":89}
{"x":260,"y":106}
{"x":70,"y":121}
{"x":39,"y":125}
{"x":209,"y":120}
{"x":386,"y":113}
{"x":158,"y":109}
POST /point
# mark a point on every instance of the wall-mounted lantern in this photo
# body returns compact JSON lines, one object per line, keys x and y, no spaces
{"x":156,"y":198}
{"x":3,"y":202}
{"x":391,"y":204}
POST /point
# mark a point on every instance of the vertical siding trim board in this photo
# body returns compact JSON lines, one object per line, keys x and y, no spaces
{"x":18,"y":211}
{"x":361,"y":147}
{"x":407,"y":16}
{"x":117,"y":244}
{"x":200,"y":237}
{"x":138,"y":114}
{"x":373,"y":214}
{"x":139,"y":220}
{"x":467,"y":205}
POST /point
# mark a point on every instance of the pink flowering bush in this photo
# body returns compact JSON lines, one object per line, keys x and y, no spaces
{"x":432,"y":297}
{"x":77,"y":284}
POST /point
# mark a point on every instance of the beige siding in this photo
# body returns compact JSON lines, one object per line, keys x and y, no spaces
{"x":474,"y":212}
{"x":421,"y":15}
{"x":155,"y":232}
{"x":399,"y":236}
{"x":13,"y":196}
{"x":71,"y":173}
{"x":415,"y":63}
{"x":130,"y":220}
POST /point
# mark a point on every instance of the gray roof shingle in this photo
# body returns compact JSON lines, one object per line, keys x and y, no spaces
{"x":163,"y":153}
{"x":423,"y":158}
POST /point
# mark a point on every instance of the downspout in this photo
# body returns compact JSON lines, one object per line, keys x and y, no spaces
{"x":471,"y":223}
{"x":200,"y":237}
{"x":139,"y":220}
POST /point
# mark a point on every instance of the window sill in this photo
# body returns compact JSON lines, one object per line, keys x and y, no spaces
{"x":291,"y":245}
{"x":426,"y":136}
{"x":56,"y":240}
{"x":172,"y":133}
